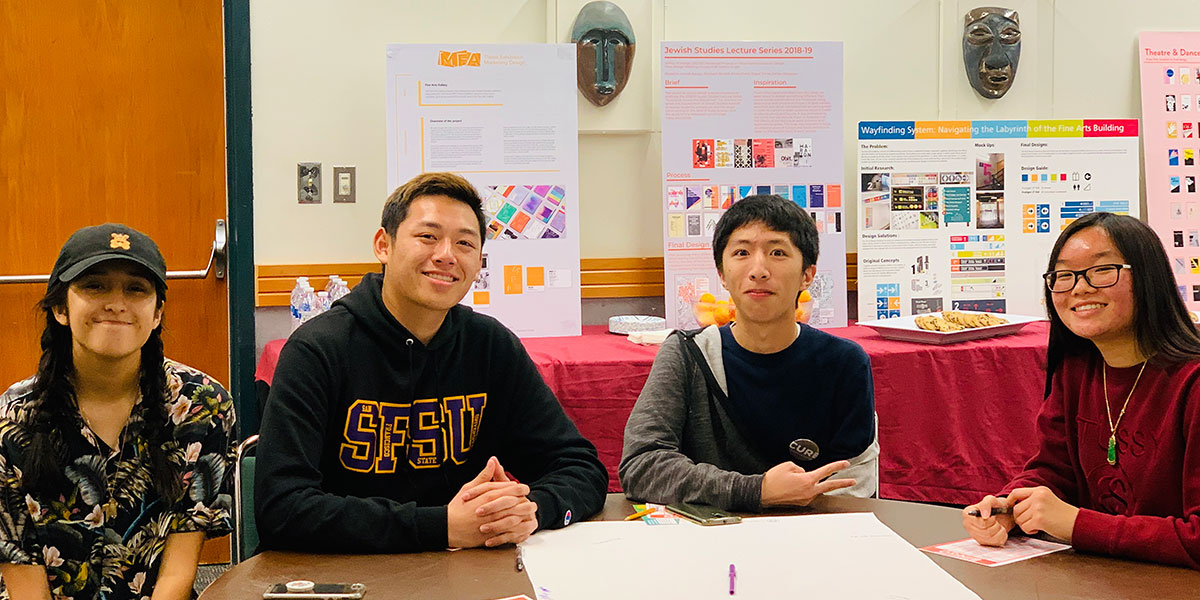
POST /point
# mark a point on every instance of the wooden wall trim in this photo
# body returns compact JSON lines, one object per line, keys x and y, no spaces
{"x":273,"y":283}
{"x":633,"y":277}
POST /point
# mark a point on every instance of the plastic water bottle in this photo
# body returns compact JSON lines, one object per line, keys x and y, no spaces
{"x":308,"y":304}
{"x":297,"y":302}
{"x":332,"y":285}
{"x":322,"y":302}
{"x":340,"y":290}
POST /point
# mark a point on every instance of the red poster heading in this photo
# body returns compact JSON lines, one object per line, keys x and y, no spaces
{"x":1110,"y":127}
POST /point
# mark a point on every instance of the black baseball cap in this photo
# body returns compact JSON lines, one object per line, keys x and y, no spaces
{"x":111,"y":241}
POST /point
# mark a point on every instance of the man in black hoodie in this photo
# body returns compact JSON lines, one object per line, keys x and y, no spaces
{"x":390,"y":415}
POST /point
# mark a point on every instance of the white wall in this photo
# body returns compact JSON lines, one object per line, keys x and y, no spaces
{"x":317,"y":85}
{"x":318,"y":71}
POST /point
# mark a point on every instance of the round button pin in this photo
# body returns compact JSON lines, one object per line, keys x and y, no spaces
{"x":804,"y":450}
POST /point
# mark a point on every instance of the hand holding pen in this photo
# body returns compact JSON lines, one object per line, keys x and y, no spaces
{"x":992,"y":529}
{"x":997,"y":510}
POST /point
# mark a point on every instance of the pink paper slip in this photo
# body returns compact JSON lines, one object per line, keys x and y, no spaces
{"x":1014,"y":550}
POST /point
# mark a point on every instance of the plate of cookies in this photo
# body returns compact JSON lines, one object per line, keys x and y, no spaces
{"x":949,"y":326}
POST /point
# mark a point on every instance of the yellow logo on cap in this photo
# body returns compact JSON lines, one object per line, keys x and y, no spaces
{"x":119,"y":240}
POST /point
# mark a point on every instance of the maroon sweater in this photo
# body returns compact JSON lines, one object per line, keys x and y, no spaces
{"x":1147,"y":507}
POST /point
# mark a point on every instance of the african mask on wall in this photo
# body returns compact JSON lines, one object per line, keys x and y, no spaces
{"x":991,"y":47}
{"x":604,"y":46}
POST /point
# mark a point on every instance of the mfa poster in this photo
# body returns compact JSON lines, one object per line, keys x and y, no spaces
{"x":1170,"y":91}
{"x":741,"y":119}
{"x":504,"y":117}
{"x":962,"y":214}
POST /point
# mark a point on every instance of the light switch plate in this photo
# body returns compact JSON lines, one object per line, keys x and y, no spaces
{"x":308,"y":182}
{"x":344,"y":184}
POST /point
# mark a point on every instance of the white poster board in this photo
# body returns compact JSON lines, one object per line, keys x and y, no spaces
{"x":809,"y":556}
{"x":747,"y":118}
{"x":962,"y":214}
{"x":504,"y":117}
{"x":1171,"y":119}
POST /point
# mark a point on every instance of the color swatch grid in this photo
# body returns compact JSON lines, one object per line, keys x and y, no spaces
{"x":525,"y":211}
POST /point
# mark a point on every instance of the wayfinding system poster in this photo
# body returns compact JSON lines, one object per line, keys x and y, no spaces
{"x":962,"y":214}
{"x":504,"y":117}
{"x":747,"y":118}
{"x":1170,"y":92}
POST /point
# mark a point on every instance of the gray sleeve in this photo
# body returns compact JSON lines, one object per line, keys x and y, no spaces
{"x":864,"y":469}
{"x":653,"y":466}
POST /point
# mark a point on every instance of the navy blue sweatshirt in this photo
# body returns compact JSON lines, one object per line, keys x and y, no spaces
{"x":818,"y":388}
{"x":368,"y":433}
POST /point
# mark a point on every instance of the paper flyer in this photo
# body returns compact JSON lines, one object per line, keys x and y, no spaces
{"x":1170,"y":92}
{"x":747,"y":118}
{"x":961,"y":215}
{"x":1014,"y":550}
{"x":505,"y":117}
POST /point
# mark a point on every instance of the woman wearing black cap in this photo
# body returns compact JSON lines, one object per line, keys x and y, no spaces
{"x":112,"y":457}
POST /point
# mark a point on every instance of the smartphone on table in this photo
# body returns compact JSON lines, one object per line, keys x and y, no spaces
{"x":318,"y":591}
{"x":703,"y":513}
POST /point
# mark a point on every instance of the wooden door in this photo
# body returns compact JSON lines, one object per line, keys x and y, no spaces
{"x":113,"y":110}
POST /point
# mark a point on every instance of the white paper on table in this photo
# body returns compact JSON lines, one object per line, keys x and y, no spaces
{"x":1014,"y":550}
{"x":850,"y":555}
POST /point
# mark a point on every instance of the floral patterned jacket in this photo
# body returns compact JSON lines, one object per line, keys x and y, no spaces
{"x":103,"y":535}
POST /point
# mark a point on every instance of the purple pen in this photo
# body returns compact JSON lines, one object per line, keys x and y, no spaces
{"x":732,"y":577}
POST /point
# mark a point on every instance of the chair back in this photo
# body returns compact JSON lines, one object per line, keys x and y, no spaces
{"x":245,"y":534}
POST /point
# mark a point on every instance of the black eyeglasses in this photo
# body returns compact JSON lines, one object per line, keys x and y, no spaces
{"x":1099,"y":276}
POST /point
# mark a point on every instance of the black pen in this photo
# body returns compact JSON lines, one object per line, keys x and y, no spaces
{"x":520,"y":559}
{"x":996,"y":510}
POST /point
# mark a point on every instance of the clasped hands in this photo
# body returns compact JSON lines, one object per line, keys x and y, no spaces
{"x":490,"y":510}
{"x":1033,"y":509}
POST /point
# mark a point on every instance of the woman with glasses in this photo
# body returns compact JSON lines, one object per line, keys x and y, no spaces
{"x":1117,"y":469}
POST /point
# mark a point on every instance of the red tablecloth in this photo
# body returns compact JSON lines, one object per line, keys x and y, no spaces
{"x":955,"y":422}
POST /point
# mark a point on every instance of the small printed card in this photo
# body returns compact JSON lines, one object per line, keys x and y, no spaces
{"x":660,"y":516}
{"x":1014,"y":550}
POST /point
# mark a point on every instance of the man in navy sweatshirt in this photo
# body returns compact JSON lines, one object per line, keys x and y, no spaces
{"x":394,"y":416}
{"x":766,"y":411}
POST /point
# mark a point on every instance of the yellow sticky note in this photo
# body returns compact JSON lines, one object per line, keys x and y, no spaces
{"x":536,"y":276}
{"x":481,"y":298}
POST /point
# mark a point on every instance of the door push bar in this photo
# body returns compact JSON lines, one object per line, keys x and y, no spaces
{"x":217,"y":260}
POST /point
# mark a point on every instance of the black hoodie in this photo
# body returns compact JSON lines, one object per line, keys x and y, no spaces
{"x":335,"y":469}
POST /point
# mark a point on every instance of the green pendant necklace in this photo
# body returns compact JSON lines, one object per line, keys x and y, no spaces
{"x":1112,"y":427}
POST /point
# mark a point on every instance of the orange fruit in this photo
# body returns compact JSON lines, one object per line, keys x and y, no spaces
{"x":707,"y":297}
{"x":805,"y":297}
{"x":723,"y":313}
{"x":802,"y":314}
{"x":706,"y":317}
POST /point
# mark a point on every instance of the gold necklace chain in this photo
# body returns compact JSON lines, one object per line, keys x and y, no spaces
{"x":1112,"y":427}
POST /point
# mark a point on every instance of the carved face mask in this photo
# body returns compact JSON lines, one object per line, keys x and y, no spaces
{"x":604,"y":46}
{"x":991,"y":47}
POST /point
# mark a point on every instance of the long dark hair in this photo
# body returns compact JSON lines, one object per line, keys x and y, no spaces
{"x":53,"y":407}
{"x":1165,"y":334}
